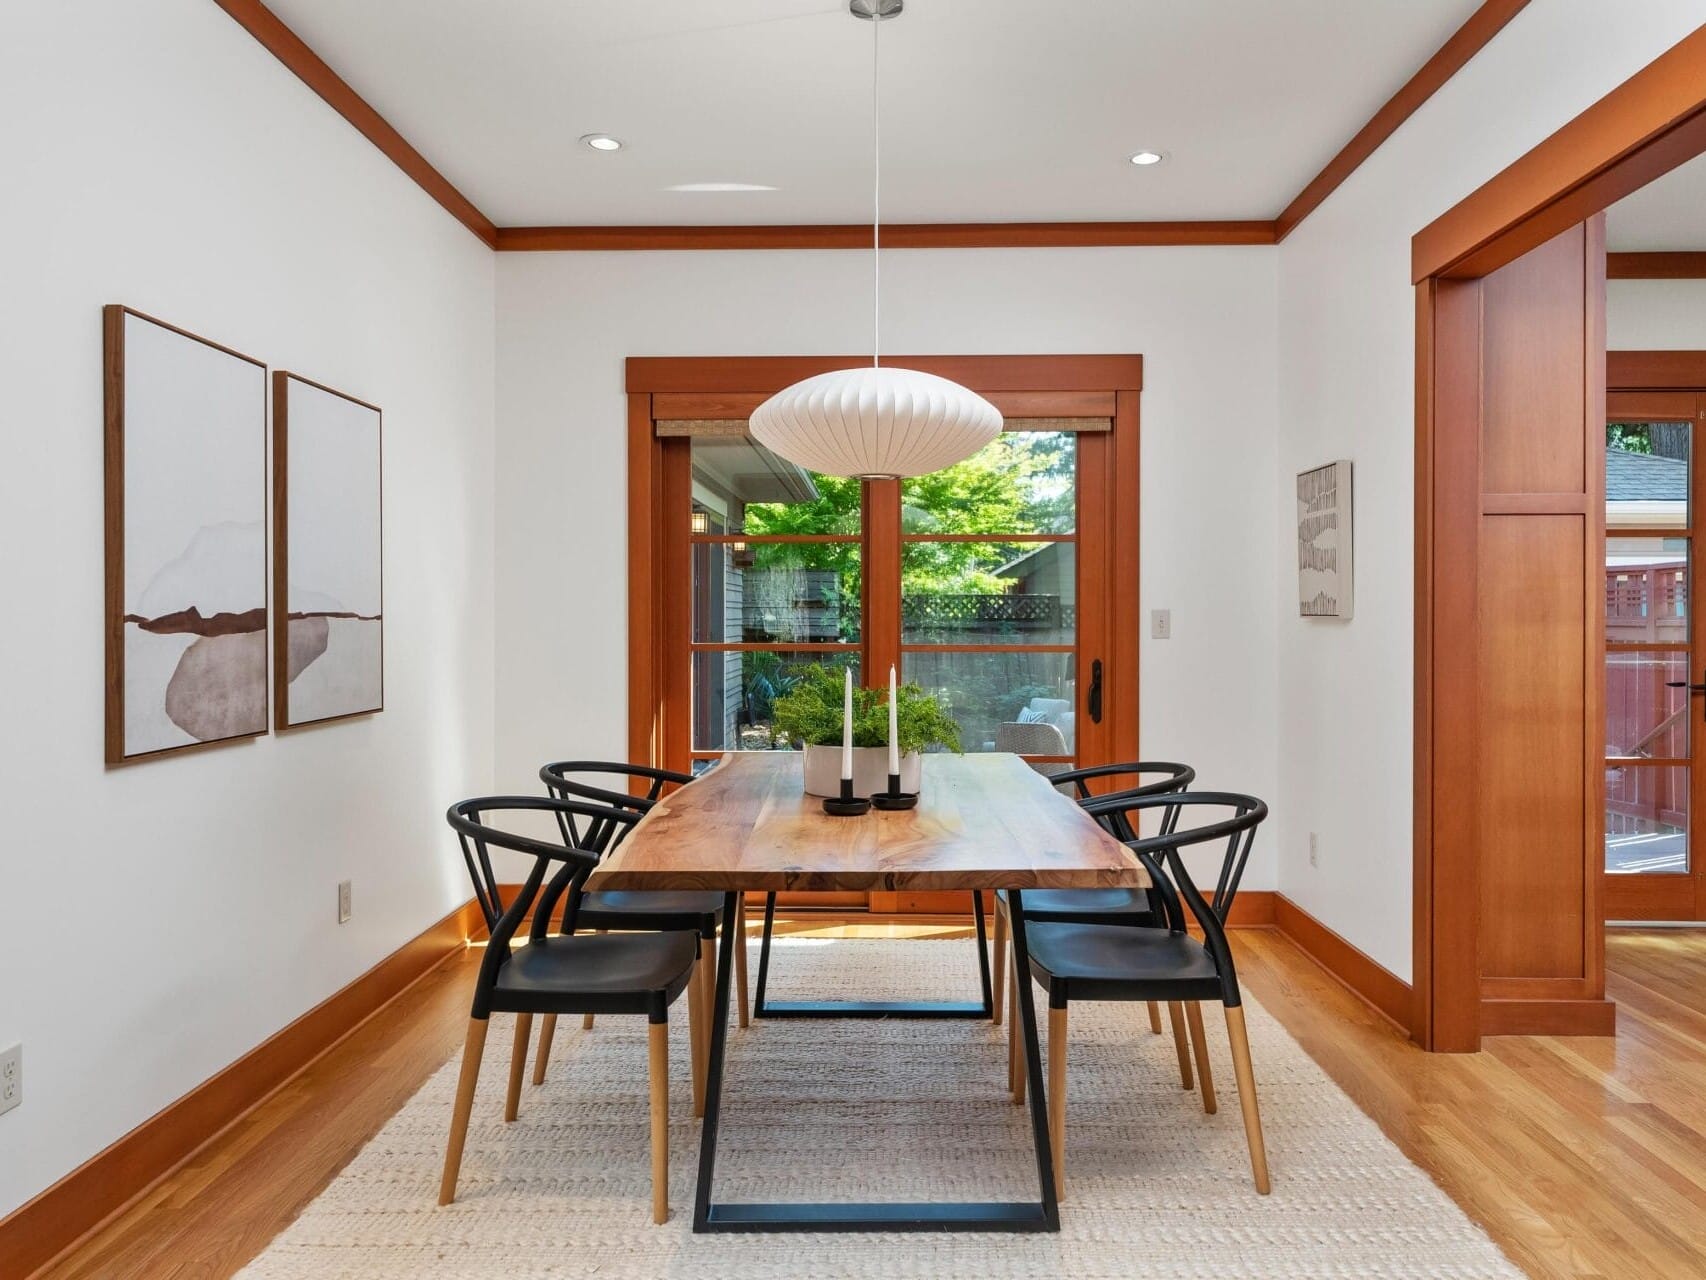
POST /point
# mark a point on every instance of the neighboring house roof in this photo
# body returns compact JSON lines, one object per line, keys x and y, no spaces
{"x":1644,"y":477}
{"x":1030,"y":562}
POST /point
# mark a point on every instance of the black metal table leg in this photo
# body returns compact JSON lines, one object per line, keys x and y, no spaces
{"x":1022,"y":1215}
{"x":763,"y":1007}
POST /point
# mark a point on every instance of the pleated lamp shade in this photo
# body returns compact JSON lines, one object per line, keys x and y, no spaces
{"x":875,"y":422}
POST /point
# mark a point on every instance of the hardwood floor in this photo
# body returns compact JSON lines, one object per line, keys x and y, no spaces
{"x":1583,"y":1158}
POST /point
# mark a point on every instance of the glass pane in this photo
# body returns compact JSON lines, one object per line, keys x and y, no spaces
{"x":1022,"y":702}
{"x":1646,"y":820}
{"x":1642,"y":716}
{"x":989,"y":593}
{"x":739,"y":486}
{"x":734,"y":694}
{"x":1646,"y":474}
{"x":776,"y":592}
{"x":1646,"y":590}
{"x":1022,"y":482}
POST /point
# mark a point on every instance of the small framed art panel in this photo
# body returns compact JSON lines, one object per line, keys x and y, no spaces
{"x":186,"y":506}
{"x":328,"y":554}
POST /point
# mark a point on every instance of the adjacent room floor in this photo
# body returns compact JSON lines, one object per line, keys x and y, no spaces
{"x":1581,"y":1157}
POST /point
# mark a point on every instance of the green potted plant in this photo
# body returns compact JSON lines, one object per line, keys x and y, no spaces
{"x":810,"y":717}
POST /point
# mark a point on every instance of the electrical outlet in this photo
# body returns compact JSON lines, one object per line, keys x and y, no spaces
{"x":1160,"y":624}
{"x":343,"y":901}
{"x":1314,"y":849}
{"x":11,"y":1077}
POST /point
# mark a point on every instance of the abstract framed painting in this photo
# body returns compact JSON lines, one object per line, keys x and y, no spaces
{"x":186,"y":553}
{"x":328,"y":554}
{"x":1325,"y":580}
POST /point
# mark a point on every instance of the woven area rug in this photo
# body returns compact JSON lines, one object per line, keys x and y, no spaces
{"x":889,"y":1110}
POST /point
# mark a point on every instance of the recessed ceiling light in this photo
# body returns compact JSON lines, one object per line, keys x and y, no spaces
{"x":719,"y":186}
{"x":1148,"y":157}
{"x":602,"y":142}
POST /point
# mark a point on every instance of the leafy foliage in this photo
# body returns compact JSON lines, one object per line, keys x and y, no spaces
{"x":811,"y":713}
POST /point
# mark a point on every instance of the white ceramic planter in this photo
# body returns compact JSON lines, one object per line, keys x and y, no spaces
{"x":870,"y":770}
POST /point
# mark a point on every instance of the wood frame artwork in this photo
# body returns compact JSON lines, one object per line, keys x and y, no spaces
{"x":335,"y":636}
{"x":185,"y":639}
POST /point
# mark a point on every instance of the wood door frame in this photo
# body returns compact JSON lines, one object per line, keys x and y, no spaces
{"x":1645,"y":127}
{"x":659,"y":707}
{"x":1656,"y":383}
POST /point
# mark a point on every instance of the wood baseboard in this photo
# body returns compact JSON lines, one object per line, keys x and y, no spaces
{"x":1548,"y":1018}
{"x":1378,"y":986}
{"x":44,"y":1227}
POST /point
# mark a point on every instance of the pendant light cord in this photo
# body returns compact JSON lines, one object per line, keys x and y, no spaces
{"x":876,"y":193}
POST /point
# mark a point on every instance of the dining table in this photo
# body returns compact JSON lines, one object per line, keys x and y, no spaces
{"x":983,"y":822}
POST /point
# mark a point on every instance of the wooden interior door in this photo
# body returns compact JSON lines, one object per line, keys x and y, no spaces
{"x":1655,"y":651}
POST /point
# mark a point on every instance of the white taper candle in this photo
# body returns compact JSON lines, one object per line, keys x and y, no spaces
{"x":847,"y":729}
{"x":894,"y":728}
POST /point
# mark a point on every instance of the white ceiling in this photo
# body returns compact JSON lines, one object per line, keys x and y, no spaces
{"x":993,"y":110}
{"x":1668,"y":213}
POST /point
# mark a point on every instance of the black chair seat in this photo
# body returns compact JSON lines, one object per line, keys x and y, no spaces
{"x":591,"y":973}
{"x":1118,"y":962}
{"x":1119,"y":906}
{"x":650,"y":910}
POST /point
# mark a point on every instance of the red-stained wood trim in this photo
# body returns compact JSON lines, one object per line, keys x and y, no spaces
{"x":289,"y":48}
{"x":1389,"y":994}
{"x":1653,"y":406}
{"x":645,"y":744}
{"x":1647,"y":126}
{"x":1655,"y":266}
{"x":1468,"y":40}
{"x":1655,"y":370}
{"x":103,"y":1186}
{"x":686,"y":407}
{"x":1548,"y":1018}
{"x":917,"y":235}
{"x":766,"y":375}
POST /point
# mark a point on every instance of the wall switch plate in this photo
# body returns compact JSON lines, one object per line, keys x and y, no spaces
{"x":1160,"y":624}
{"x":1314,"y":849}
{"x":343,"y":901}
{"x":11,"y":1077}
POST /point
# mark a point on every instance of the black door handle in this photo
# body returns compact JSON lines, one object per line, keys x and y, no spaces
{"x":1094,"y":702}
{"x":1692,"y":688}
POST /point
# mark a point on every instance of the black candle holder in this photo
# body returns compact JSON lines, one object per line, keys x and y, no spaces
{"x":894,"y":797}
{"x":846,"y":805}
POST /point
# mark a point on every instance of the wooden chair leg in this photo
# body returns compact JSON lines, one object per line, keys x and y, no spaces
{"x":1057,"y":1096}
{"x":1000,"y":968}
{"x":1199,"y":1042}
{"x":473,"y":1046}
{"x":699,"y":1029}
{"x":1016,"y":1069}
{"x":586,"y":1020}
{"x":740,"y":960}
{"x":658,"y":1047}
{"x":1180,"y":1042}
{"x":1247,"y":1096}
{"x":1155,"y":1017}
{"x":517,"y":1065}
{"x":547,"y":1029}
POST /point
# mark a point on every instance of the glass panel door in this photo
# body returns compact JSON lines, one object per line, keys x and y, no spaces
{"x":1652,"y":721}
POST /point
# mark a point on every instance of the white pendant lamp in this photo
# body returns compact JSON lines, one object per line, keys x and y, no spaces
{"x":878,"y":422}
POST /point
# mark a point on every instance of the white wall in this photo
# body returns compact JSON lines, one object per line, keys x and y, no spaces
{"x":1656,"y":315}
{"x":164,"y":917}
{"x":1203,"y":319}
{"x":1347,"y":390}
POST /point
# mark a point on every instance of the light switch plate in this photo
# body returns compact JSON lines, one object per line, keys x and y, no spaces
{"x":343,"y":901}
{"x":1160,"y":624}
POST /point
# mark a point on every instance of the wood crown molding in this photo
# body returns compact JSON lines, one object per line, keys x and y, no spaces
{"x":44,"y":1227}
{"x":1644,"y":128}
{"x":1655,"y":266}
{"x":289,"y":48}
{"x":1452,"y":56}
{"x":1380,"y":988}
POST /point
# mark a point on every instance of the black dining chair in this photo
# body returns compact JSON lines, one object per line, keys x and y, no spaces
{"x":1077,"y":961}
{"x":606,"y":782}
{"x":1106,"y":906}
{"x":635,"y":973}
